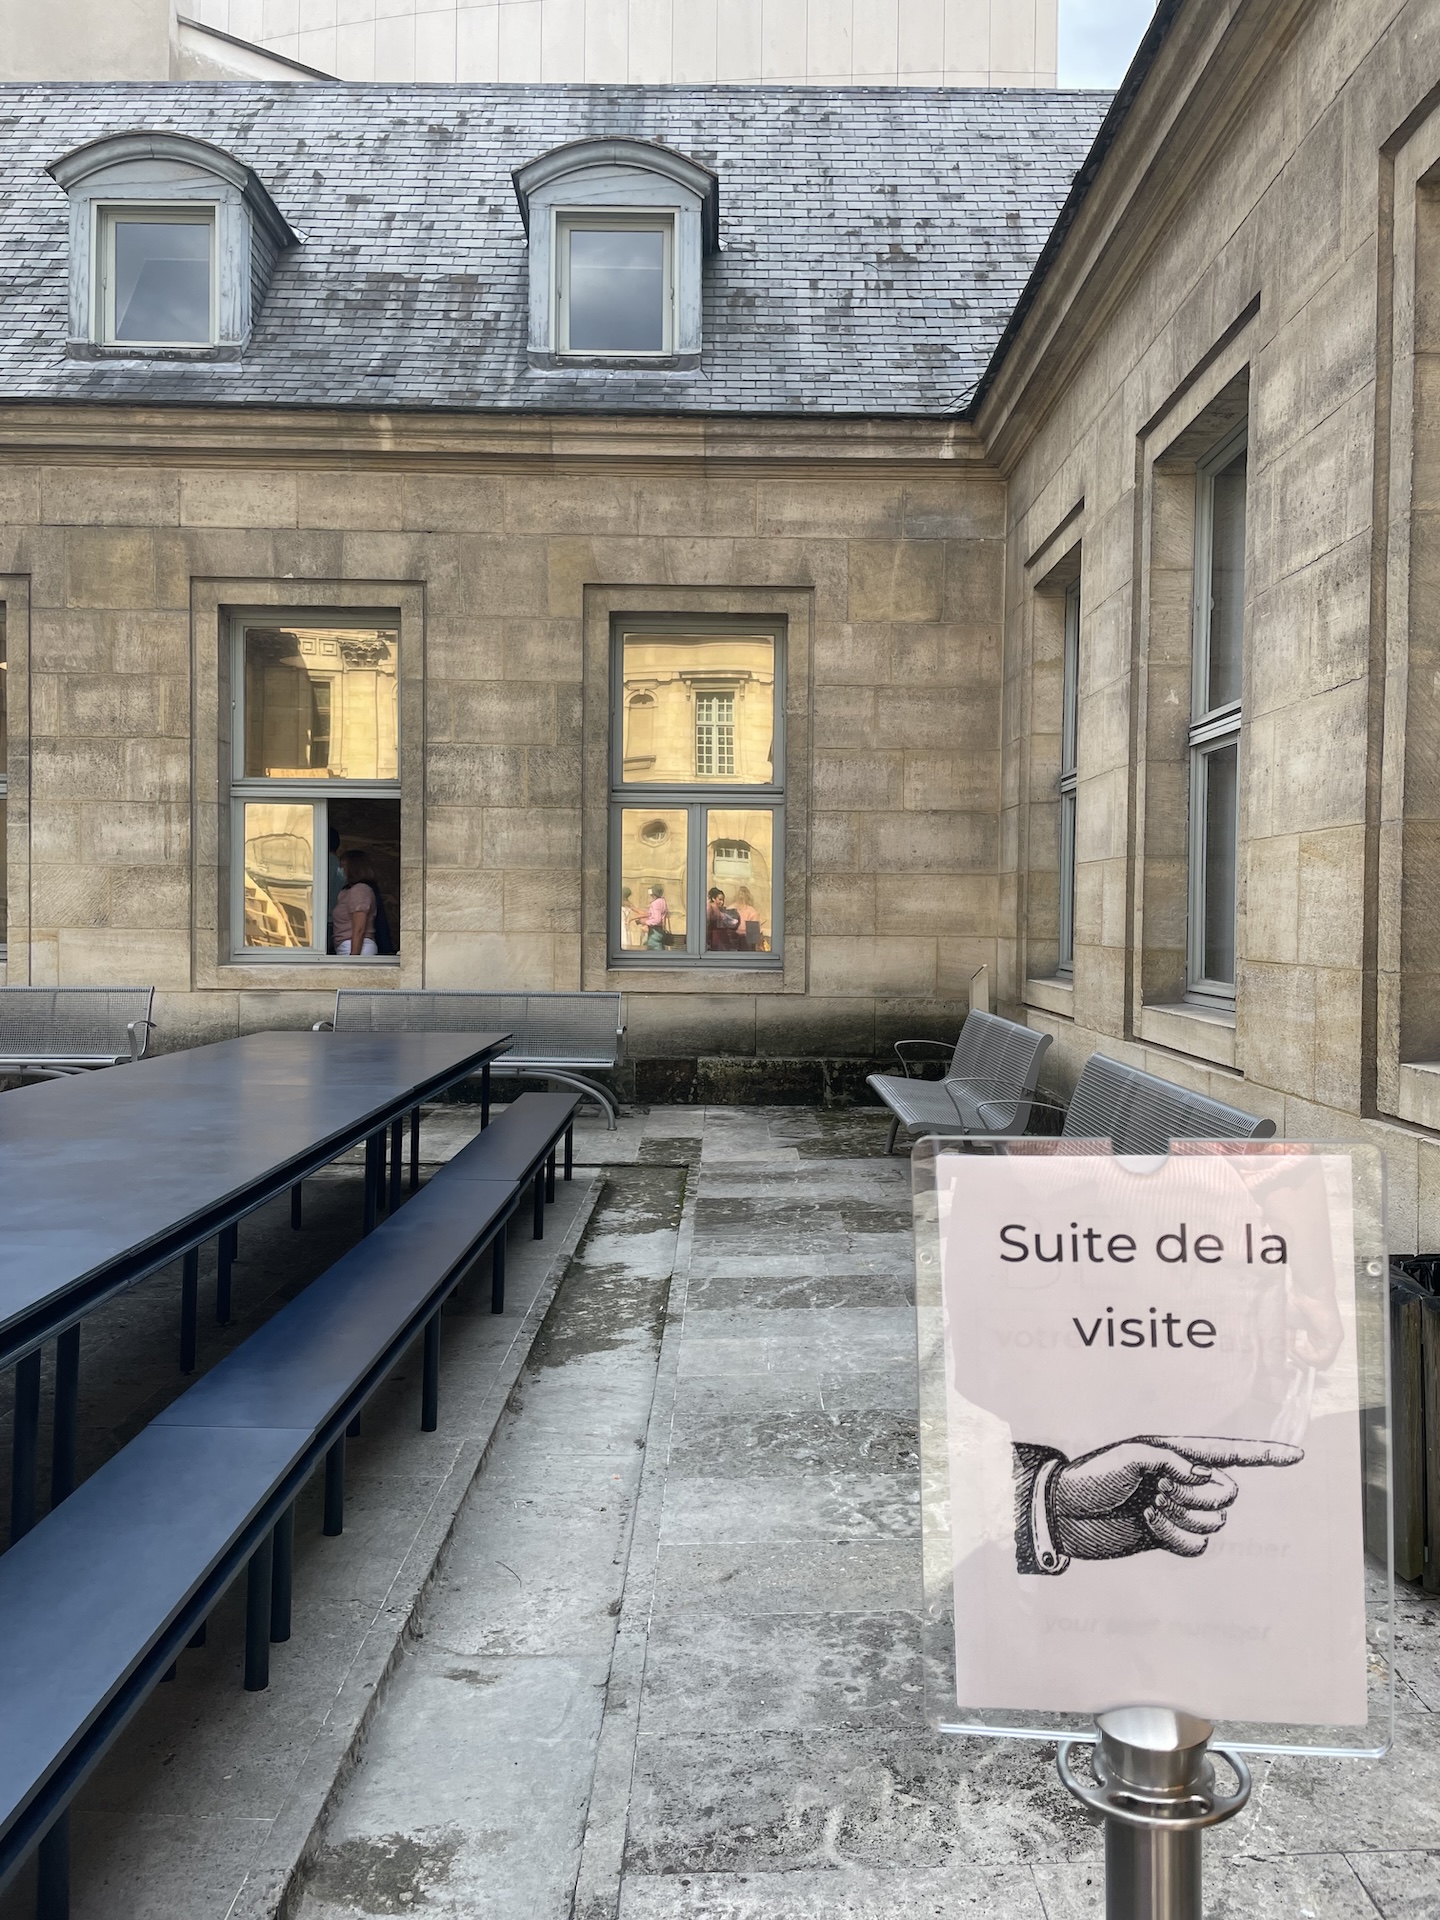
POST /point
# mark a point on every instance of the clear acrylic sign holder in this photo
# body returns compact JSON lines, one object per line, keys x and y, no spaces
{"x":1148,"y":1771}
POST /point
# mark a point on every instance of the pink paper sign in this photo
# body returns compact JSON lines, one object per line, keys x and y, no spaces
{"x":1152,"y":1401}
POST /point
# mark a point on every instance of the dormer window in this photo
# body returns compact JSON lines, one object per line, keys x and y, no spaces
{"x":172,"y":244}
{"x":614,"y":284}
{"x":156,"y":281}
{"x":619,"y":230}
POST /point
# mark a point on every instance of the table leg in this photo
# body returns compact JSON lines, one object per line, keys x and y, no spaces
{"x":540,"y":1203}
{"x":550,"y":1176}
{"x":485,"y":1096}
{"x":335,"y":1488}
{"x":27,"y":1443}
{"x":282,"y":1577}
{"x":497,"y":1270}
{"x":226,"y":1247}
{"x":295,"y":1192}
{"x":430,"y":1385}
{"x":414,"y":1148}
{"x":52,"y":1871}
{"x":397,"y":1160}
{"x":189,"y":1308}
{"x":67,"y":1407}
{"x":374,"y":1164}
{"x":569,"y":1151}
{"x":259,"y":1582}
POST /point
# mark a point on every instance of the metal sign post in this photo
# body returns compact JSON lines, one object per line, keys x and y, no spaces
{"x":1155,"y":1791}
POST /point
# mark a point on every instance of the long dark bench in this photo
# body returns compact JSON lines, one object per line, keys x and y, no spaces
{"x":1138,"y":1112}
{"x":97,"y":1602}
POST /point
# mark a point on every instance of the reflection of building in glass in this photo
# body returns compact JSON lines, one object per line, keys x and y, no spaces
{"x":699,"y":709}
{"x":320,"y":702}
{"x":279,"y":876}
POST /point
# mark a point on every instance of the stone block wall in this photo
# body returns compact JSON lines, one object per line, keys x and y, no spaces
{"x":117,"y":567}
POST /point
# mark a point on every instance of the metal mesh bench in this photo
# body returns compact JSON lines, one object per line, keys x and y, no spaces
{"x":1140,"y":1113}
{"x":51,"y":1031}
{"x":565,"y":1037}
{"x":988,"y":1086}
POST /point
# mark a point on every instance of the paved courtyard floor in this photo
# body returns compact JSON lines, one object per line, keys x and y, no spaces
{"x":642,"y":1640}
{"x":672,"y":1667}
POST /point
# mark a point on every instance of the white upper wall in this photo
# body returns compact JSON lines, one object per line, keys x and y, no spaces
{"x":921,"y":43}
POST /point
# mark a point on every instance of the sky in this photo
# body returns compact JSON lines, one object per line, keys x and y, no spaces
{"x":1098,"y":39}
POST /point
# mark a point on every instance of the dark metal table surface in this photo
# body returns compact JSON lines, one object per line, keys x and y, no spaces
{"x":108,"y":1176}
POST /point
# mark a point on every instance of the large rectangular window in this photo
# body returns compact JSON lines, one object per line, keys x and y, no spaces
{"x":1215,"y":717}
{"x":697,"y":795}
{"x":1069,"y":741}
{"x":4,"y":763}
{"x":315,"y":790}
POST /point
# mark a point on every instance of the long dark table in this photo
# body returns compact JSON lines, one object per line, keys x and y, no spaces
{"x":107,"y":1177}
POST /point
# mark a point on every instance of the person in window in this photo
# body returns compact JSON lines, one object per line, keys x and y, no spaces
{"x":653,"y":919}
{"x":356,"y":907}
{"x":747,"y":920}
{"x":722,"y":923}
{"x":334,"y":879}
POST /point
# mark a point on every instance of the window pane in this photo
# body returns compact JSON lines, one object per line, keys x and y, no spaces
{"x":1067,"y":882}
{"x":1227,"y":582}
{"x":654,"y":845}
{"x":2,"y":870}
{"x":739,"y":850}
{"x":4,"y":677}
{"x":364,"y":851}
{"x":1221,"y":848}
{"x":279,"y":875}
{"x":616,"y":290}
{"x":321,"y":701}
{"x":162,"y":280}
{"x":698,"y":708}
{"x":1070,"y":685}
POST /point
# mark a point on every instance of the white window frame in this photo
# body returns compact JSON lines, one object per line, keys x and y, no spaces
{"x":1069,"y":779}
{"x":110,"y":215}
{"x":568,"y":220}
{"x":1211,"y":729}
{"x":696,"y":798}
{"x":313,"y":792}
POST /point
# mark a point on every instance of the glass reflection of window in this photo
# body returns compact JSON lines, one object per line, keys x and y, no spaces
{"x":316,"y":775}
{"x":698,"y":716}
{"x":1069,"y":777}
{"x":1215,"y":721}
{"x":714,"y":736}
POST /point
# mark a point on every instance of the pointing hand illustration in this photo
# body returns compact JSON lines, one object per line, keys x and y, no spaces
{"x":1130,"y":1497}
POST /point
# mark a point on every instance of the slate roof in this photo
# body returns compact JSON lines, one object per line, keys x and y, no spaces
{"x":874,"y":241}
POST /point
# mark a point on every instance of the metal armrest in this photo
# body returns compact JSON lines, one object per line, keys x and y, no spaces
{"x":946,"y":1049}
{"x":323,"y":1026}
{"x":137,"y":1043}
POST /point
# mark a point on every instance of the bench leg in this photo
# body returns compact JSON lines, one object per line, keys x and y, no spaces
{"x":197,"y":1638}
{"x":23,"y":1460}
{"x":295,"y":1217}
{"x":550,"y":1176}
{"x":569,"y":1151}
{"x":282,"y":1575}
{"x":226,"y":1248}
{"x":259,"y":1580}
{"x":497,"y":1269}
{"x":189,"y":1308}
{"x":430,"y":1378}
{"x":67,"y":1409}
{"x":894,"y":1129}
{"x":172,"y":1672}
{"x":485,"y":1096}
{"x":335,"y":1488}
{"x":352,"y":1432}
{"x":52,"y":1871}
{"x":397,"y":1160}
{"x":539,"y":1203}
{"x":374,"y":1177}
{"x":414,"y":1148}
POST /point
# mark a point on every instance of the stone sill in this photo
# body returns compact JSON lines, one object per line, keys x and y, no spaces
{"x":1419,"y":1101}
{"x":1205,"y":1033}
{"x":1052,"y":996}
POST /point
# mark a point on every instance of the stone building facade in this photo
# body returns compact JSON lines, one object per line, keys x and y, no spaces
{"x":1105,"y":594}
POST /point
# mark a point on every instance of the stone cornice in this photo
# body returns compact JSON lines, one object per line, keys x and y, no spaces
{"x":474,"y":442}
